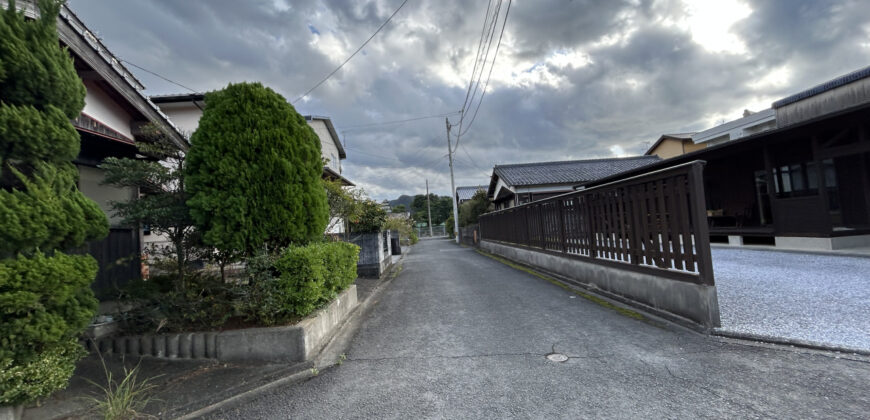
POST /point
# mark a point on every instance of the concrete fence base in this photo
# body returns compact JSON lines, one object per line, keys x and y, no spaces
{"x":295,"y":343}
{"x":696,"y":303}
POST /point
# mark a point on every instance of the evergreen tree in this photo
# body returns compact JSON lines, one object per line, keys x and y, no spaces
{"x":159,"y":175}
{"x":45,"y":296}
{"x":253,"y":172}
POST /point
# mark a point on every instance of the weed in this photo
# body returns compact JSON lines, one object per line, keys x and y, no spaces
{"x":341,"y":358}
{"x":123,"y":400}
{"x":314,"y":371}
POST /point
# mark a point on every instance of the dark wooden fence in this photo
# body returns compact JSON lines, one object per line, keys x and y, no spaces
{"x":654,"y":222}
{"x":119,"y":258}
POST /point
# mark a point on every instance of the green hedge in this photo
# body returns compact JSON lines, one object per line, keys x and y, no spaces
{"x":44,"y":303}
{"x":302,"y":279}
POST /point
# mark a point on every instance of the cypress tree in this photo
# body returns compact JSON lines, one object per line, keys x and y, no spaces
{"x":45,"y":296}
{"x":253,"y":172}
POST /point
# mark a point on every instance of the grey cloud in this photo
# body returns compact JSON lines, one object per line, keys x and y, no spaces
{"x":208,"y":44}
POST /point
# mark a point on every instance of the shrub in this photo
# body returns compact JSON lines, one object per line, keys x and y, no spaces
{"x":471,"y":210}
{"x":253,"y":172}
{"x":205,"y":302}
{"x":45,"y":299}
{"x":370,"y":218}
{"x":340,"y":259}
{"x":401,"y":224}
{"x":39,"y":376}
{"x":300,"y":280}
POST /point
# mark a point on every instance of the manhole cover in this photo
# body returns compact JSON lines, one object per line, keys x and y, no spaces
{"x":557,"y":357}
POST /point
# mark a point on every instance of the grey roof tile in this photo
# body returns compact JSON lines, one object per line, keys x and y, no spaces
{"x":569,"y":172}
{"x":466,"y":193}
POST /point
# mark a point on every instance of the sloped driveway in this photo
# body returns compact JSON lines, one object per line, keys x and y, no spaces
{"x":810,"y":298}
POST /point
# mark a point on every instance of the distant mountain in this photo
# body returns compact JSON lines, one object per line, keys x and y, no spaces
{"x":403,"y":199}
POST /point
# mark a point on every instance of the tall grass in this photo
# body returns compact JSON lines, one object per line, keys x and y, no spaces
{"x":123,"y":400}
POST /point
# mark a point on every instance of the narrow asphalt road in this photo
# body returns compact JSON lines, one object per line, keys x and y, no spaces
{"x":460,"y":335}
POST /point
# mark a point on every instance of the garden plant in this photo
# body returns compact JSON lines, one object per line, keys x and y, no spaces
{"x":45,"y":298}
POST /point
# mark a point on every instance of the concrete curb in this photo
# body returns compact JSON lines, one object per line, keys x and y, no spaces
{"x":294,"y":343}
{"x":791,"y":342}
{"x":326,"y":357}
{"x":822,"y":252}
{"x":306,"y":371}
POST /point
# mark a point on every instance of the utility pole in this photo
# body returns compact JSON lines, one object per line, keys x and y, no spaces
{"x":452,"y":185}
{"x":429,"y":208}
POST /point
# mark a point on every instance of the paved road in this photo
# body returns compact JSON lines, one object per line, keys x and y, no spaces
{"x":459,"y":335}
{"x":822,"y":299}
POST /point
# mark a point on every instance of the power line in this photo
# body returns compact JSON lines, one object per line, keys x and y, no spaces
{"x":359,"y":126}
{"x":483,"y":60}
{"x":158,"y":75}
{"x":352,"y":55}
{"x":482,"y":93}
{"x":476,"y":84}
{"x":477,"y":56}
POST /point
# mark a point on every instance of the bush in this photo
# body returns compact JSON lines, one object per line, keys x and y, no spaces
{"x":204,"y":302}
{"x":471,"y":210}
{"x":253,"y":172}
{"x":301,"y":279}
{"x":401,"y":224}
{"x":46,"y":372}
{"x":45,"y":298}
{"x":370,"y":218}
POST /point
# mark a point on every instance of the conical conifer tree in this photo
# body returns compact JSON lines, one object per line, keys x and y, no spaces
{"x":253,"y":172}
{"x":45,"y":295}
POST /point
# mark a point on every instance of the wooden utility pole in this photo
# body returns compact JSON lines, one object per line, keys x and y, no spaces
{"x":452,"y":185}
{"x":429,"y":208}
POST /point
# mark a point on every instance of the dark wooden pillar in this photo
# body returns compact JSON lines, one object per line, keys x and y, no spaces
{"x":771,"y":187}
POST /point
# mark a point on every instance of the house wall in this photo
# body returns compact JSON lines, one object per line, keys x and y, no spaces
{"x":690,"y":147}
{"x":185,"y":115}
{"x":89,"y":184}
{"x":328,"y":148}
{"x":668,"y":148}
{"x":101,"y":107}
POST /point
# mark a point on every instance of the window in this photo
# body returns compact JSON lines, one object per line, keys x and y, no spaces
{"x":795,"y":180}
{"x":801,"y":179}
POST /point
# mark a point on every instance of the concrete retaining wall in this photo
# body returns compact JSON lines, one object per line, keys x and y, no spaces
{"x":373,"y":261}
{"x":295,"y":343}
{"x":694,"y":302}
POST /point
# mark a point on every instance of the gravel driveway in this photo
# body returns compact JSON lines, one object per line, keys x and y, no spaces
{"x":822,"y":299}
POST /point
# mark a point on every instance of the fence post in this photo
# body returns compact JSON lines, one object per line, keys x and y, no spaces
{"x":561,"y":215}
{"x":699,"y":222}
{"x":590,"y":234}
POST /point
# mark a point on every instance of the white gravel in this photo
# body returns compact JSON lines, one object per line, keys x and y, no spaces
{"x":821,"y":299}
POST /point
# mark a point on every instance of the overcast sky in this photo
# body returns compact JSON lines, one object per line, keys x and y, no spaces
{"x":573,"y":79}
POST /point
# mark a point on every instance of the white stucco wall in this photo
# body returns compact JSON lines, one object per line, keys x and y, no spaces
{"x":89,"y":184}
{"x":327,"y":146}
{"x":185,"y":115}
{"x":101,"y":107}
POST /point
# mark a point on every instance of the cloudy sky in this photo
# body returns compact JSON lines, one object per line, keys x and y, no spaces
{"x":574,"y":79}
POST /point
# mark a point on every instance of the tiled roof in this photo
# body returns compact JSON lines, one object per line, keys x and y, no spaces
{"x":569,"y":172}
{"x":824,"y":87}
{"x":466,"y":193}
